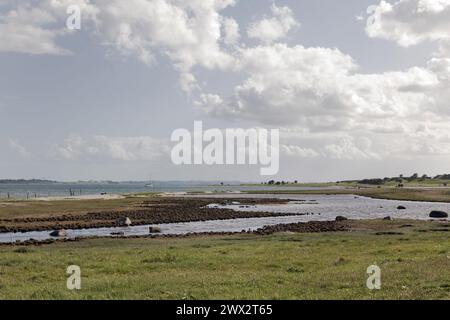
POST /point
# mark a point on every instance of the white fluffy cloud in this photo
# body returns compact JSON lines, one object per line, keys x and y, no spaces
{"x":190,"y":33}
{"x":231,"y":31}
{"x":316,"y":89}
{"x":34,"y":27}
{"x":22,"y":30}
{"x":409,"y":22}
{"x":75,"y":147}
{"x":270,"y":29}
{"x":320,"y":88}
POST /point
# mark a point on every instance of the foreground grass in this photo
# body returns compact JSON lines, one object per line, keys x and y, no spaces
{"x":415,"y":265}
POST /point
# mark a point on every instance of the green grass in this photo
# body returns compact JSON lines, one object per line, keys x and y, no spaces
{"x":355,"y":183}
{"x":415,"y":265}
{"x":432,"y":195}
{"x":18,"y":208}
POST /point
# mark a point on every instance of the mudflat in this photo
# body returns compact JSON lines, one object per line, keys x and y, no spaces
{"x":141,"y":211}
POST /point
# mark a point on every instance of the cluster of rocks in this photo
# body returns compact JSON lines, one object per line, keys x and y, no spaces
{"x":155,"y":211}
{"x":311,"y":226}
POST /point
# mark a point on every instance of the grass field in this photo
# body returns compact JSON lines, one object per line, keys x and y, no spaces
{"x":407,"y":182}
{"x":410,"y":194}
{"x":22,"y":208}
{"x":415,"y":264}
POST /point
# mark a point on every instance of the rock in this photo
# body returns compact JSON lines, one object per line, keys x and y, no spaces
{"x":388,"y":218}
{"x":58,"y":233}
{"x":341,"y":218}
{"x":340,"y":261}
{"x":117,"y":233}
{"x":154,"y":229}
{"x":438,"y":214}
{"x":124,"y":222}
{"x":401,"y":208}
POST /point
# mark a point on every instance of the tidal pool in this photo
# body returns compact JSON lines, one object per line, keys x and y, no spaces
{"x":349,"y":206}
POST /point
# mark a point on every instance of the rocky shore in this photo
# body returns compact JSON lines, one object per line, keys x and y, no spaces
{"x":311,"y":226}
{"x":301,"y":227}
{"x":152,"y":211}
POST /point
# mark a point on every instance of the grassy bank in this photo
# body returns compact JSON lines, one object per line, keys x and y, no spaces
{"x":415,"y":264}
{"x":22,"y":208}
{"x":410,"y":194}
{"x":407,"y":182}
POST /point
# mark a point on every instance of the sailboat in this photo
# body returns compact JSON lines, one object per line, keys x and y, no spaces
{"x":150,"y":184}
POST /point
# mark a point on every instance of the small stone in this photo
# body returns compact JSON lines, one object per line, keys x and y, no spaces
{"x":124,"y":222}
{"x":58,"y":233}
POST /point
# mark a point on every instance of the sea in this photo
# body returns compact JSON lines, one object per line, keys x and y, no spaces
{"x":23,"y":190}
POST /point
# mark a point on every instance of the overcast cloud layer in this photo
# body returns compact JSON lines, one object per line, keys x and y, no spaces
{"x":101,"y":102}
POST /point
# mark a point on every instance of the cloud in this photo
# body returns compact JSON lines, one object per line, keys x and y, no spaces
{"x":189,"y":33}
{"x":270,"y":29}
{"x":231,"y":31}
{"x":299,"y":152}
{"x":409,"y":22}
{"x":34,"y":28}
{"x":349,"y":149}
{"x":20,"y":149}
{"x":76,"y":147}
{"x":317,"y":89}
{"x":23,"y":30}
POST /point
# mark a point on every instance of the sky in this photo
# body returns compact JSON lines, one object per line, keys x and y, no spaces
{"x":357,"y":88}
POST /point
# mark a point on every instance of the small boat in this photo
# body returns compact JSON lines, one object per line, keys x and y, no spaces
{"x":149,"y":184}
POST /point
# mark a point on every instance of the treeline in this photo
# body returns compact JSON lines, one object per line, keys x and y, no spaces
{"x":401,"y":178}
{"x":277,"y":183}
{"x":24,"y":181}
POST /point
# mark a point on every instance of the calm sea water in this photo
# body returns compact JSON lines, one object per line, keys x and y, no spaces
{"x":21,"y":190}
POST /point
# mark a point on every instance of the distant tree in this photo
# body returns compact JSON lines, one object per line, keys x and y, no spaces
{"x":372,"y":181}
